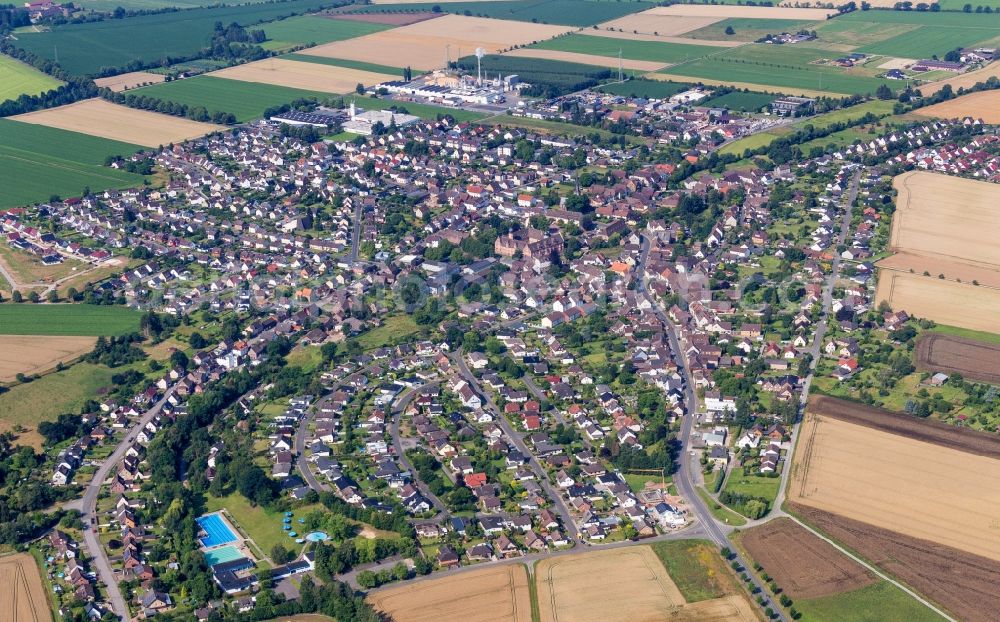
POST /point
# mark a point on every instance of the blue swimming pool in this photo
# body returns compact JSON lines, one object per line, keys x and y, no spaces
{"x":217,"y":530}
{"x":222,"y":555}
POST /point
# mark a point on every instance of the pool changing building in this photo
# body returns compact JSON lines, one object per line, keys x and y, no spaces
{"x":239,"y":575}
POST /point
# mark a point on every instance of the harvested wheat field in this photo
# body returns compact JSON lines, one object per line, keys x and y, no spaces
{"x":423,"y":45}
{"x":966,"y":80}
{"x":975,"y":360}
{"x":962,"y":583}
{"x":946,"y":302}
{"x":586,"y":59}
{"x":125,"y":81}
{"x":724,"y":11}
{"x":102,"y":118}
{"x":34,"y":354}
{"x":640,"y":36}
{"x":623,"y":584}
{"x":22,"y":597}
{"x":919,"y":489}
{"x":498,"y":594}
{"x":983,"y":105}
{"x":652,"y":21}
{"x":804,"y":565}
{"x":302,"y":75}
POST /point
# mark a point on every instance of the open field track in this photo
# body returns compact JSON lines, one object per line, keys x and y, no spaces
{"x":804,"y":565}
{"x":586,"y":59}
{"x":22,"y":354}
{"x":722,"y":11}
{"x":22,"y":597}
{"x":887,"y":479}
{"x":423,"y":45}
{"x":131,"y":80}
{"x":972,"y":359}
{"x":497,"y":594}
{"x":625,"y":584}
{"x":983,"y":105}
{"x":962,"y":583}
{"x":97,"y":117}
{"x":302,"y":75}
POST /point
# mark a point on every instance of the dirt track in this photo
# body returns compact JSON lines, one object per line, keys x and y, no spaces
{"x":804,"y":565}
{"x":929,"y":431}
{"x":962,"y":583}
{"x":975,"y":360}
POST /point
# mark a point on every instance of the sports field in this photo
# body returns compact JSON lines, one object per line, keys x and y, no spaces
{"x":653,"y":51}
{"x":423,"y":45}
{"x":246,"y":100}
{"x":302,"y":75}
{"x":983,"y":105}
{"x":22,"y":597}
{"x":47,"y":161}
{"x":67,"y":319}
{"x":36,"y":354}
{"x":307,"y":29}
{"x":495,"y":594}
{"x":567,"y":12}
{"x":18,"y":79}
{"x":99,"y":117}
{"x":131,"y":80}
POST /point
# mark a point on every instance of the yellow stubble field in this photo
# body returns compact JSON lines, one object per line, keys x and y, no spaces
{"x":302,"y":75}
{"x":652,"y":21}
{"x":725,"y":11}
{"x":34,"y":354}
{"x":125,"y":81}
{"x":424,"y":45}
{"x":22,"y":597}
{"x":497,"y":594}
{"x":983,"y":105}
{"x":916,"y":488}
{"x":966,"y":80}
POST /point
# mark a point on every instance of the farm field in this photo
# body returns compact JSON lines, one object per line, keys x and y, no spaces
{"x":628,"y":583}
{"x":350,"y":64}
{"x":972,"y":359}
{"x":22,"y":596}
{"x":636,"y":35}
{"x":802,"y":564}
{"x":246,"y":100}
{"x":422,"y":45}
{"x":983,"y":105}
{"x":883,"y":478}
{"x":586,"y":59}
{"x":117,"y":42}
{"x":696,"y":568}
{"x":566,"y":12}
{"x":111,"y":5}
{"x":301,"y":75}
{"x":18,"y":79}
{"x":653,"y":51}
{"x":747,"y":28}
{"x":652,"y":21}
{"x":131,"y":80}
{"x":738,"y":100}
{"x":658,"y":89}
{"x":882,"y":599}
{"x":963,"y":584}
{"x":674,"y":77}
{"x":68,"y":320}
{"x":965,"y":80}
{"x":36,"y":354}
{"x":929,"y":33}
{"x":98,"y":117}
{"x":48,"y":161}
{"x":496,"y":594}
{"x":389,"y":19}
{"x":723,"y":11}
{"x":307,"y":29}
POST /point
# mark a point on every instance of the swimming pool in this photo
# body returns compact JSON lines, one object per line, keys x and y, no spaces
{"x":217,"y":530}
{"x":222,"y":555}
{"x":317,"y":536}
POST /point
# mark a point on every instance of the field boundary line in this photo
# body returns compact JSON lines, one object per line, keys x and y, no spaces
{"x":874,"y":569}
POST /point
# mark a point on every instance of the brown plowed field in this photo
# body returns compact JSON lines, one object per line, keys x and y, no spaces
{"x":963,"y":583}
{"x":926,"y":430}
{"x":392,"y":19}
{"x":945,"y":353}
{"x":804,"y":565}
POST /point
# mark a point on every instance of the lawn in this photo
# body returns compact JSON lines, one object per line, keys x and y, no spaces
{"x":394,"y":329}
{"x":89,"y":47}
{"x":67,"y":319}
{"x":696,"y":568}
{"x":46,"y":161}
{"x":246,"y":100}
{"x":309,"y":29}
{"x":567,"y":12}
{"x":638,"y":482}
{"x":721,"y":512}
{"x":753,"y":485}
{"x":52,"y":395}
{"x":881,"y":602}
{"x":17,"y":79}
{"x":666,"y":53}
{"x":306,"y":357}
{"x":262,"y":525}
{"x":655,"y":89}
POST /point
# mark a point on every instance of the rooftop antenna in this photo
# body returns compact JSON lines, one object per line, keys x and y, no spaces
{"x":479,"y":66}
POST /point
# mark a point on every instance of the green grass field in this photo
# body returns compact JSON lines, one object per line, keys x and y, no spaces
{"x":696,"y":568}
{"x":46,"y":161}
{"x":566,"y":12}
{"x":86,"y":48}
{"x":135,"y":5}
{"x":67,"y":319}
{"x":738,"y":100}
{"x":766,"y":487}
{"x":915,"y":34}
{"x":747,"y":29}
{"x":655,"y":89}
{"x":881,"y":602}
{"x":666,"y":53}
{"x":967,"y":333}
{"x":246,"y":100}
{"x":721,"y":512}
{"x":53,"y":394}
{"x":18,"y":79}
{"x":394,"y":329}
{"x":350,"y":64}
{"x":308,"y":29}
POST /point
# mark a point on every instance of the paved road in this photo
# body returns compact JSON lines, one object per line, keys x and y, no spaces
{"x":519,"y":443}
{"x":402,"y":401}
{"x":355,"y":232}
{"x":88,"y":506}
